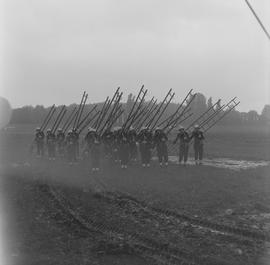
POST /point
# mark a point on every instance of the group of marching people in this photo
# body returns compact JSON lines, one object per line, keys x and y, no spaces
{"x":121,"y":145}
{"x":58,"y":143}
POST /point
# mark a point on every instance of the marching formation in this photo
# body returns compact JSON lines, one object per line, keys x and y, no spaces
{"x":126,"y":136}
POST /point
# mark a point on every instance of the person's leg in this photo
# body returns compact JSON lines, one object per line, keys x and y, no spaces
{"x":200,"y":153}
{"x":186,"y":153}
{"x":159,"y":154}
{"x":181,"y":153}
{"x":142,"y":153}
{"x":196,"y":153}
{"x":148,"y":156}
{"x":42,"y":149}
{"x":38,"y":149}
{"x":165,"y":154}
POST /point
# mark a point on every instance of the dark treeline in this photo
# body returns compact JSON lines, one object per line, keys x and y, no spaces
{"x":35,"y":115}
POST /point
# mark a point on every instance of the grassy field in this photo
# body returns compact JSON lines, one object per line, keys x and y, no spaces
{"x":236,"y":198}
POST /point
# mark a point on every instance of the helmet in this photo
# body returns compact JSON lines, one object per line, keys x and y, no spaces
{"x":90,"y":129}
{"x":69,"y":131}
{"x":158,"y":129}
{"x":38,"y":129}
{"x":196,"y":126}
{"x":59,"y":130}
{"x":181,"y":128}
{"x":49,"y":130}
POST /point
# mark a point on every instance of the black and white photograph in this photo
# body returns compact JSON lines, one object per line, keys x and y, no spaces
{"x":135,"y":132}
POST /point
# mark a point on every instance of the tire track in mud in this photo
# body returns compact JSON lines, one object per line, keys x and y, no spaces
{"x":144,"y":246}
{"x":237,"y":232}
{"x":115,"y":197}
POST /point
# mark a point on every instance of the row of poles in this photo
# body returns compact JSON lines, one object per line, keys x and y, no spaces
{"x":147,"y":114}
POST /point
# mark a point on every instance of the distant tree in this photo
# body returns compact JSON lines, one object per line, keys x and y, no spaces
{"x":209,"y":103}
{"x":252,"y":116}
{"x":218,"y":106}
{"x":233,"y":117}
{"x":265,"y":115}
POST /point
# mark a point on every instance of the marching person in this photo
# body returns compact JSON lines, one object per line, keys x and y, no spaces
{"x":89,"y":138}
{"x":123,"y":148}
{"x":70,"y":143}
{"x":160,"y":141}
{"x":107,"y":139}
{"x":95,"y":151}
{"x":198,"y":136}
{"x":76,"y":138}
{"x":39,"y":140}
{"x":51,"y":141}
{"x":132,"y":136}
{"x":116,"y":145}
{"x":60,"y":139}
{"x":184,"y":140}
{"x":145,"y":145}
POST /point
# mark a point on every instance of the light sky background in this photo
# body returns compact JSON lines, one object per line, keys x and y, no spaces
{"x":53,"y":50}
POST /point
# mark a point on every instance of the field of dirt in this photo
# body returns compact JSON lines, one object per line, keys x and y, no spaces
{"x":176,"y":215}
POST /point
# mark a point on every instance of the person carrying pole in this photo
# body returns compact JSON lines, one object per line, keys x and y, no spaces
{"x":145,"y":144}
{"x":184,"y":140}
{"x":116,"y":144}
{"x":94,"y":144}
{"x":39,"y":140}
{"x":198,"y":136}
{"x":70,"y":147}
{"x":76,"y":142}
{"x":132,"y":136}
{"x":123,"y":148}
{"x":107,"y":139}
{"x":60,"y":139}
{"x":51,"y":141}
{"x":160,"y":141}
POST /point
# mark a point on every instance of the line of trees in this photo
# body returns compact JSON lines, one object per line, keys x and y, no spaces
{"x":30,"y":114}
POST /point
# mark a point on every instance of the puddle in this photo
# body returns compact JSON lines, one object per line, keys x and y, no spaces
{"x":227,"y":163}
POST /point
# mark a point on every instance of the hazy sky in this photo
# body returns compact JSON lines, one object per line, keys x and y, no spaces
{"x":52,"y":50}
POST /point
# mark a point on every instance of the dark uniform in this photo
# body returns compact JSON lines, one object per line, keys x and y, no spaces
{"x":123,"y":148}
{"x":184,"y":140}
{"x":160,"y":141}
{"x":132,"y":136}
{"x":95,"y":151}
{"x":39,"y":140}
{"x":116,"y":145}
{"x":198,"y":136}
{"x":70,"y":143}
{"x":93,"y":142}
{"x":76,"y":138}
{"x":107,"y":139}
{"x":51,"y":142}
{"x":60,"y":139}
{"x":145,"y":144}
